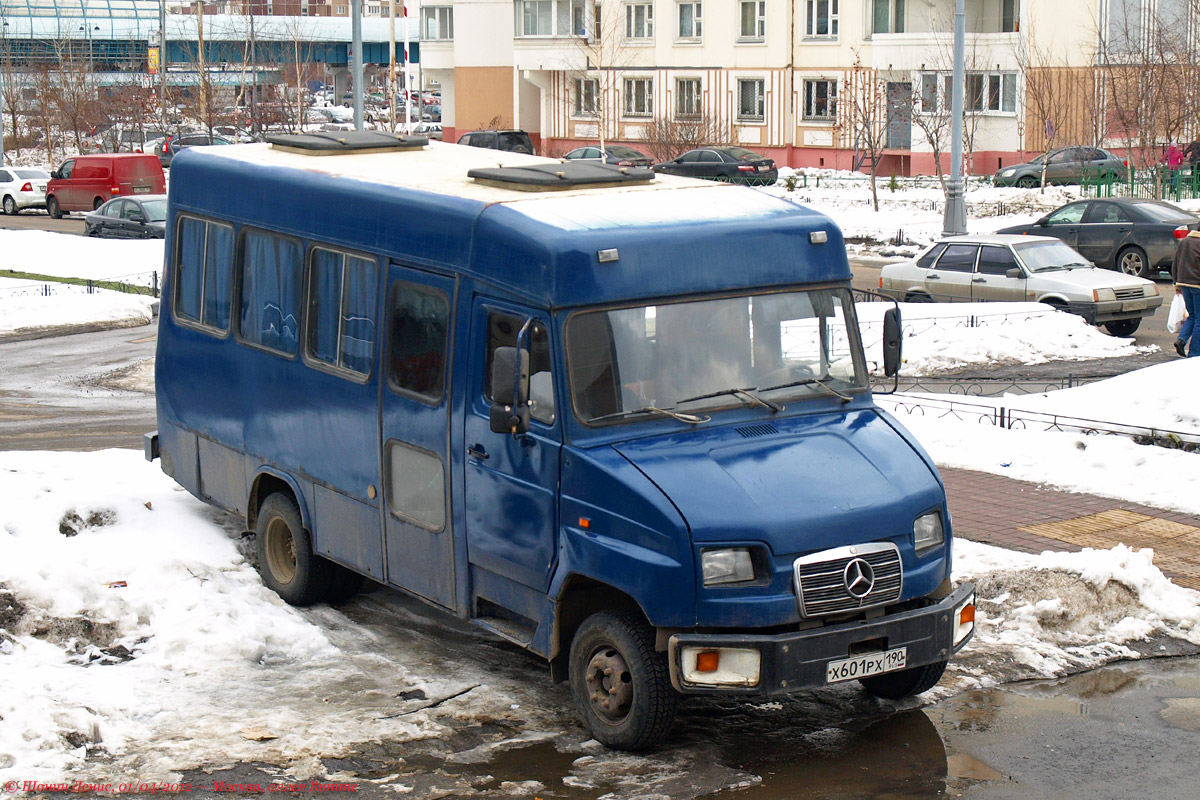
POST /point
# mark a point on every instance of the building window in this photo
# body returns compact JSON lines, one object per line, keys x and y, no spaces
{"x":587,"y":94}
{"x":751,"y":103}
{"x":822,"y":18}
{"x":820,"y":100}
{"x":535,"y":17}
{"x":1010,"y":16}
{"x":887,"y":16}
{"x":639,"y":20}
{"x":984,"y":92}
{"x":639,"y":97}
{"x":341,"y":11}
{"x":203,"y":272}
{"x":753,"y":20}
{"x":687,"y":98}
{"x":269,"y":291}
{"x":437,"y":22}
{"x":690,"y":20}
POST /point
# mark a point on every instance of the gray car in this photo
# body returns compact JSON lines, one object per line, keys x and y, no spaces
{"x":1018,"y":268}
{"x":1064,"y":165}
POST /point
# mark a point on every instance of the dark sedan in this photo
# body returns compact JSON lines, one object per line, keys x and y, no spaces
{"x":1138,"y":237}
{"x":1064,"y":165}
{"x":725,"y":164}
{"x":619,"y":154}
{"x":169,"y":147}
{"x":141,"y":217}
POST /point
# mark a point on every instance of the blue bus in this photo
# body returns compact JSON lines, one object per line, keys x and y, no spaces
{"x":623,"y":420}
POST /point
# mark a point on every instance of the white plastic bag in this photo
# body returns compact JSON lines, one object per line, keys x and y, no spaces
{"x":1176,"y":315}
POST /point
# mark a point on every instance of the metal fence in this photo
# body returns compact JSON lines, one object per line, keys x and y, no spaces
{"x":138,"y":283}
{"x":1158,"y":183}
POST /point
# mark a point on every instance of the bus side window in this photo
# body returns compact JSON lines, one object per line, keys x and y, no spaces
{"x":502,"y":332}
{"x":420,"y":320}
{"x":341,"y":309}
{"x":203,"y":269}
{"x":270,"y":291}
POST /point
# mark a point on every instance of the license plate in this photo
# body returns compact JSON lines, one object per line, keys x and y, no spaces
{"x":141,"y":190}
{"x":1134,"y":305}
{"x":849,"y":669}
{"x":763,"y":168}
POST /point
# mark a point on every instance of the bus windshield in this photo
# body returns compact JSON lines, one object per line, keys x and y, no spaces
{"x":692,"y":357}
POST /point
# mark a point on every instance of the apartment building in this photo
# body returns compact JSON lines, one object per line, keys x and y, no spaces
{"x":807,"y":82}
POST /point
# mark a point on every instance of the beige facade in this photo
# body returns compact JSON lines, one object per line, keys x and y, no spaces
{"x":790,"y":78}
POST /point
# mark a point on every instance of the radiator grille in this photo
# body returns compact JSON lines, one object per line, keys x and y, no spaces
{"x":821,"y":579}
{"x":1132,"y":293}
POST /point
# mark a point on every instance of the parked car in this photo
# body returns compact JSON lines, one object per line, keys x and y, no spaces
{"x":985,"y":267}
{"x":113,"y":138}
{"x":432,"y":130}
{"x":1064,"y":165}
{"x":1137,"y":237}
{"x":725,"y":164}
{"x":85,"y":183}
{"x":620,"y":154}
{"x":510,"y":140}
{"x":141,"y":217}
{"x":23,"y":188}
{"x":170,"y":146}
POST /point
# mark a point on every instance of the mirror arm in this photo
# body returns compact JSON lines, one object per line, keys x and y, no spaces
{"x":522,"y":343}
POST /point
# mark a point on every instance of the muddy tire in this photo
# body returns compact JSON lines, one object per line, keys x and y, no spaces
{"x":285,"y":556}
{"x":621,"y":685}
{"x":10,"y":205}
{"x":53,"y":208}
{"x":906,"y":682}
{"x":1122,"y":328}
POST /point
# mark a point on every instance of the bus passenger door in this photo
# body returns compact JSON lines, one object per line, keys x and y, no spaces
{"x":511,"y":482}
{"x":414,"y":419}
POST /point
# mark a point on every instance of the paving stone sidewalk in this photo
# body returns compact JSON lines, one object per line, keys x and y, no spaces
{"x":1027,"y":516}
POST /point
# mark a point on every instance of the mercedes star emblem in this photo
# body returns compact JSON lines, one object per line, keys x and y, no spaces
{"x":859,"y":578}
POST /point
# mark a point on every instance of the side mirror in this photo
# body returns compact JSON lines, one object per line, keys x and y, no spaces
{"x":510,"y":391}
{"x":56,"y":175}
{"x":1014,"y":272}
{"x":1041,"y":223}
{"x":138,"y":218}
{"x":892,"y":338}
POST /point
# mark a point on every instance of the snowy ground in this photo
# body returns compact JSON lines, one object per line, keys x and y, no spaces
{"x":130,"y":614}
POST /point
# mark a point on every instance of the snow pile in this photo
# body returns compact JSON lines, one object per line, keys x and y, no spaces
{"x":1056,"y":613}
{"x":940,"y":337}
{"x":24,"y":309}
{"x":127,"y":615}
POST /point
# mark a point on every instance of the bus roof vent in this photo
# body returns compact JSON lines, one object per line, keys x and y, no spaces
{"x":329,"y":143}
{"x":566,"y":175}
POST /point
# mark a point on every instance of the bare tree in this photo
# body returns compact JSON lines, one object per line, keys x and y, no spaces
{"x":931,"y":115}
{"x":668,"y":136}
{"x":72,"y":94}
{"x":863,"y":111}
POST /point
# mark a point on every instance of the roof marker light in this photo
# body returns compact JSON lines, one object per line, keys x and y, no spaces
{"x":606,"y":256}
{"x":818,"y":237}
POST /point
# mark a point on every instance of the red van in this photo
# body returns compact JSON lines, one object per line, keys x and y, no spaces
{"x":85,"y":183}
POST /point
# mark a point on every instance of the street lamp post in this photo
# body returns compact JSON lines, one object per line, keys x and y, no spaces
{"x":955,"y":220}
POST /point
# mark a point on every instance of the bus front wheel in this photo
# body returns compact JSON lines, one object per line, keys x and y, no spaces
{"x":285,"y":555}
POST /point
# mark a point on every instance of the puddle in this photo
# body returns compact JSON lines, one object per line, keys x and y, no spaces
{"x":1182,"y":713}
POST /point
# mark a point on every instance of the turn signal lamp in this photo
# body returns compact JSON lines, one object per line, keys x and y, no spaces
{"x":28,"y":187}
{"x":708,"y":661}
{"x":964,"y":620}
{"x":1181,"y":231}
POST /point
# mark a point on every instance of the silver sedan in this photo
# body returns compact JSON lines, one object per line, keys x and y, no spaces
{"x":1019,"y":268}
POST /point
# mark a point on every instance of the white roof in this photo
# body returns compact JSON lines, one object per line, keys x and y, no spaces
{"x":442,"y":169}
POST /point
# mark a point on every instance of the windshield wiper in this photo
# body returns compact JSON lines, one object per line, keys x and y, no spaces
{"x":746,"y":392}
{"x":691,"y":419}
{"x":809,"y":382}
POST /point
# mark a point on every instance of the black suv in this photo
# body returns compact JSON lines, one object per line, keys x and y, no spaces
{"x":512,"y":141}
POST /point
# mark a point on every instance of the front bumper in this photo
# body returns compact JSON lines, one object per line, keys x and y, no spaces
{"x":794,"y":661}
{"x":1110,"y":310}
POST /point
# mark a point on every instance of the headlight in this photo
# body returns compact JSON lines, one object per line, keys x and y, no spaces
{"x":1151,"y":290}
{"x":1104,"y":295}
{"x":1007,"y":173}
{"x":732,"y":565}
{"x":927,"y":531}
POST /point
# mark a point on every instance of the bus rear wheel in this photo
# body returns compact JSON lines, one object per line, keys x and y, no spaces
{"x":285,"y":556}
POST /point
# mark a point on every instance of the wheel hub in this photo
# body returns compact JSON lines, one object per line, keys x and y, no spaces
{"x":281,"y":551}
{"x":609,"y":684}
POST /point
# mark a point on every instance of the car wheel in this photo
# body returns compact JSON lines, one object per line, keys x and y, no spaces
{"x":906,"y":682}
{"x":918,"y":297}
{"x":621,"y":685}
{"x":10,"y":206}
{"x":1122,"y":328}
{"x":53,"y":208}
{"x":1132,"y":261}
{"x":1027,"y":182}
{"x":99,"y":201}
{"x":1055,"y":303}
{"x":286,"y":559}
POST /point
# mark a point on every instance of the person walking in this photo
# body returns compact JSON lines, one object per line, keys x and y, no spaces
{"x":1185,"y":272}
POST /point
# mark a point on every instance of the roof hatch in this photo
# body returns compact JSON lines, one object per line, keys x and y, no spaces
{"x":557,"y":177}
{"x":329,"y":143}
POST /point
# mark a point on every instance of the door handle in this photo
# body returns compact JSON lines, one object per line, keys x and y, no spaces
{"x":477,"y":451}
{"x":978,"y":280}
{"x":933,"y":276}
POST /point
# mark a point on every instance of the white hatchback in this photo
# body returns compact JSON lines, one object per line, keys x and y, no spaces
{"x":1019,"y":268}
{"x":22,"y":188}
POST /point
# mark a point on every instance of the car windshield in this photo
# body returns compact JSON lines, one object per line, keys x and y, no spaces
{"x":156,"y":210}
{"x":1165,"y":212}
{"x":632,"y":363}
{"x":1038,"y":159}
{"x":1048,"y":256}
{"x":620,"y":151}
{"x":32,"y":174}
{"x":742,"y":154}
